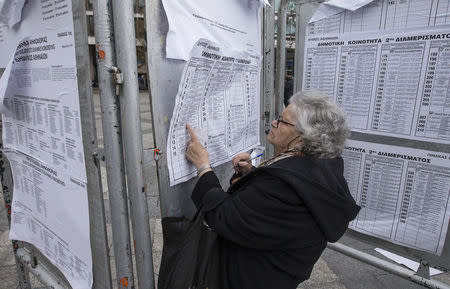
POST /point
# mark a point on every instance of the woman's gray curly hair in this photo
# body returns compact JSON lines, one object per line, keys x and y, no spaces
{"x":321,"y":123}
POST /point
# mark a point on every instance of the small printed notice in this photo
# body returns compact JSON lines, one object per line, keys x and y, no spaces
{"x":403,"y":193}
{"x":219,"y":97}
{"x":50,"y":211}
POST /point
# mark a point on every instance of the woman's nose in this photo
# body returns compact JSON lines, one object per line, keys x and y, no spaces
{"x":274,"y":123}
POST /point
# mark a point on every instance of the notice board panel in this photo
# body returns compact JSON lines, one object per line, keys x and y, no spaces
{"x":386,"y":65}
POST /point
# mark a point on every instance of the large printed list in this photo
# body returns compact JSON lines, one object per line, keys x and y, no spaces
{"x":43,"y":200}
{"x":403,"y":193}
{"x":388,"y":84}
{"x":41,"y":130}
{"x":42,"y":114}
{"x":386,"y":64}
{"x":218,"y":97}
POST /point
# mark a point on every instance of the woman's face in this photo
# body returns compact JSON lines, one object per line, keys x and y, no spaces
{"x":285,"y":132}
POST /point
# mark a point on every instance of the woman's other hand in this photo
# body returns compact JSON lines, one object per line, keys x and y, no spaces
{"x":241,"y":163}
{"x":196,"y":153}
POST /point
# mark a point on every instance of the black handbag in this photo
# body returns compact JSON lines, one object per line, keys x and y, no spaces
{"x":190,"y":257}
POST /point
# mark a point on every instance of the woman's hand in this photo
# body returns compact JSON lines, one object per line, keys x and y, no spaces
{"x":196,"y":153}
{"x":241,"y":164}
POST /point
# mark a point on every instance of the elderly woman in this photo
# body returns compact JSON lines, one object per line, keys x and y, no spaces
{"x":275,"y":220}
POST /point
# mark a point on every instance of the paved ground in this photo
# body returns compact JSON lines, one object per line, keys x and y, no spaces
{"x":333,"y":270}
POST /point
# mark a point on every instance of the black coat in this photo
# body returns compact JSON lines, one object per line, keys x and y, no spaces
{"x":275,"y":221}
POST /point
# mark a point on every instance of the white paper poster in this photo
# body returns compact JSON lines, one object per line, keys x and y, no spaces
{"x":404,"y":193}
{"x":41,"y":96}
{"x":41,"y":130}
{"x":233,"y":23}
{"x":380,"y":15}
{"x":413,"y":265}
{"x":50,"y":210}
{"x":219,"y":97}
{"x":332,"y":7}
{"x":388,"y":84}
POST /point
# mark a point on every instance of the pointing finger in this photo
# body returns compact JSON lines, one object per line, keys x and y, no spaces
{"x":191,"y":132}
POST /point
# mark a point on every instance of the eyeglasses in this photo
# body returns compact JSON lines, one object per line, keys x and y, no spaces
{"x":280,"y":119}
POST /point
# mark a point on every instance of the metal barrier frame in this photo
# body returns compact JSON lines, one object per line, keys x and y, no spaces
{"x":112,"y":136}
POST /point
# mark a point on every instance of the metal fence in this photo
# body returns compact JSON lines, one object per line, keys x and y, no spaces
{"x":128,"y":164}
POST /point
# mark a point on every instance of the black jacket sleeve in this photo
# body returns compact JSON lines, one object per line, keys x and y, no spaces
{"x":206,"y":183}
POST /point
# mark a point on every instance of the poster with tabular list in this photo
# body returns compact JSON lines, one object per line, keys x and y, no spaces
{"x":387,"y":65}
{"x":403,"y":193}
{"x":50,"y":211}
{"x":393,"y":84}
{"x":40,"y":104}
{"x":42,"y":135}
{"x":218,"y":97}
